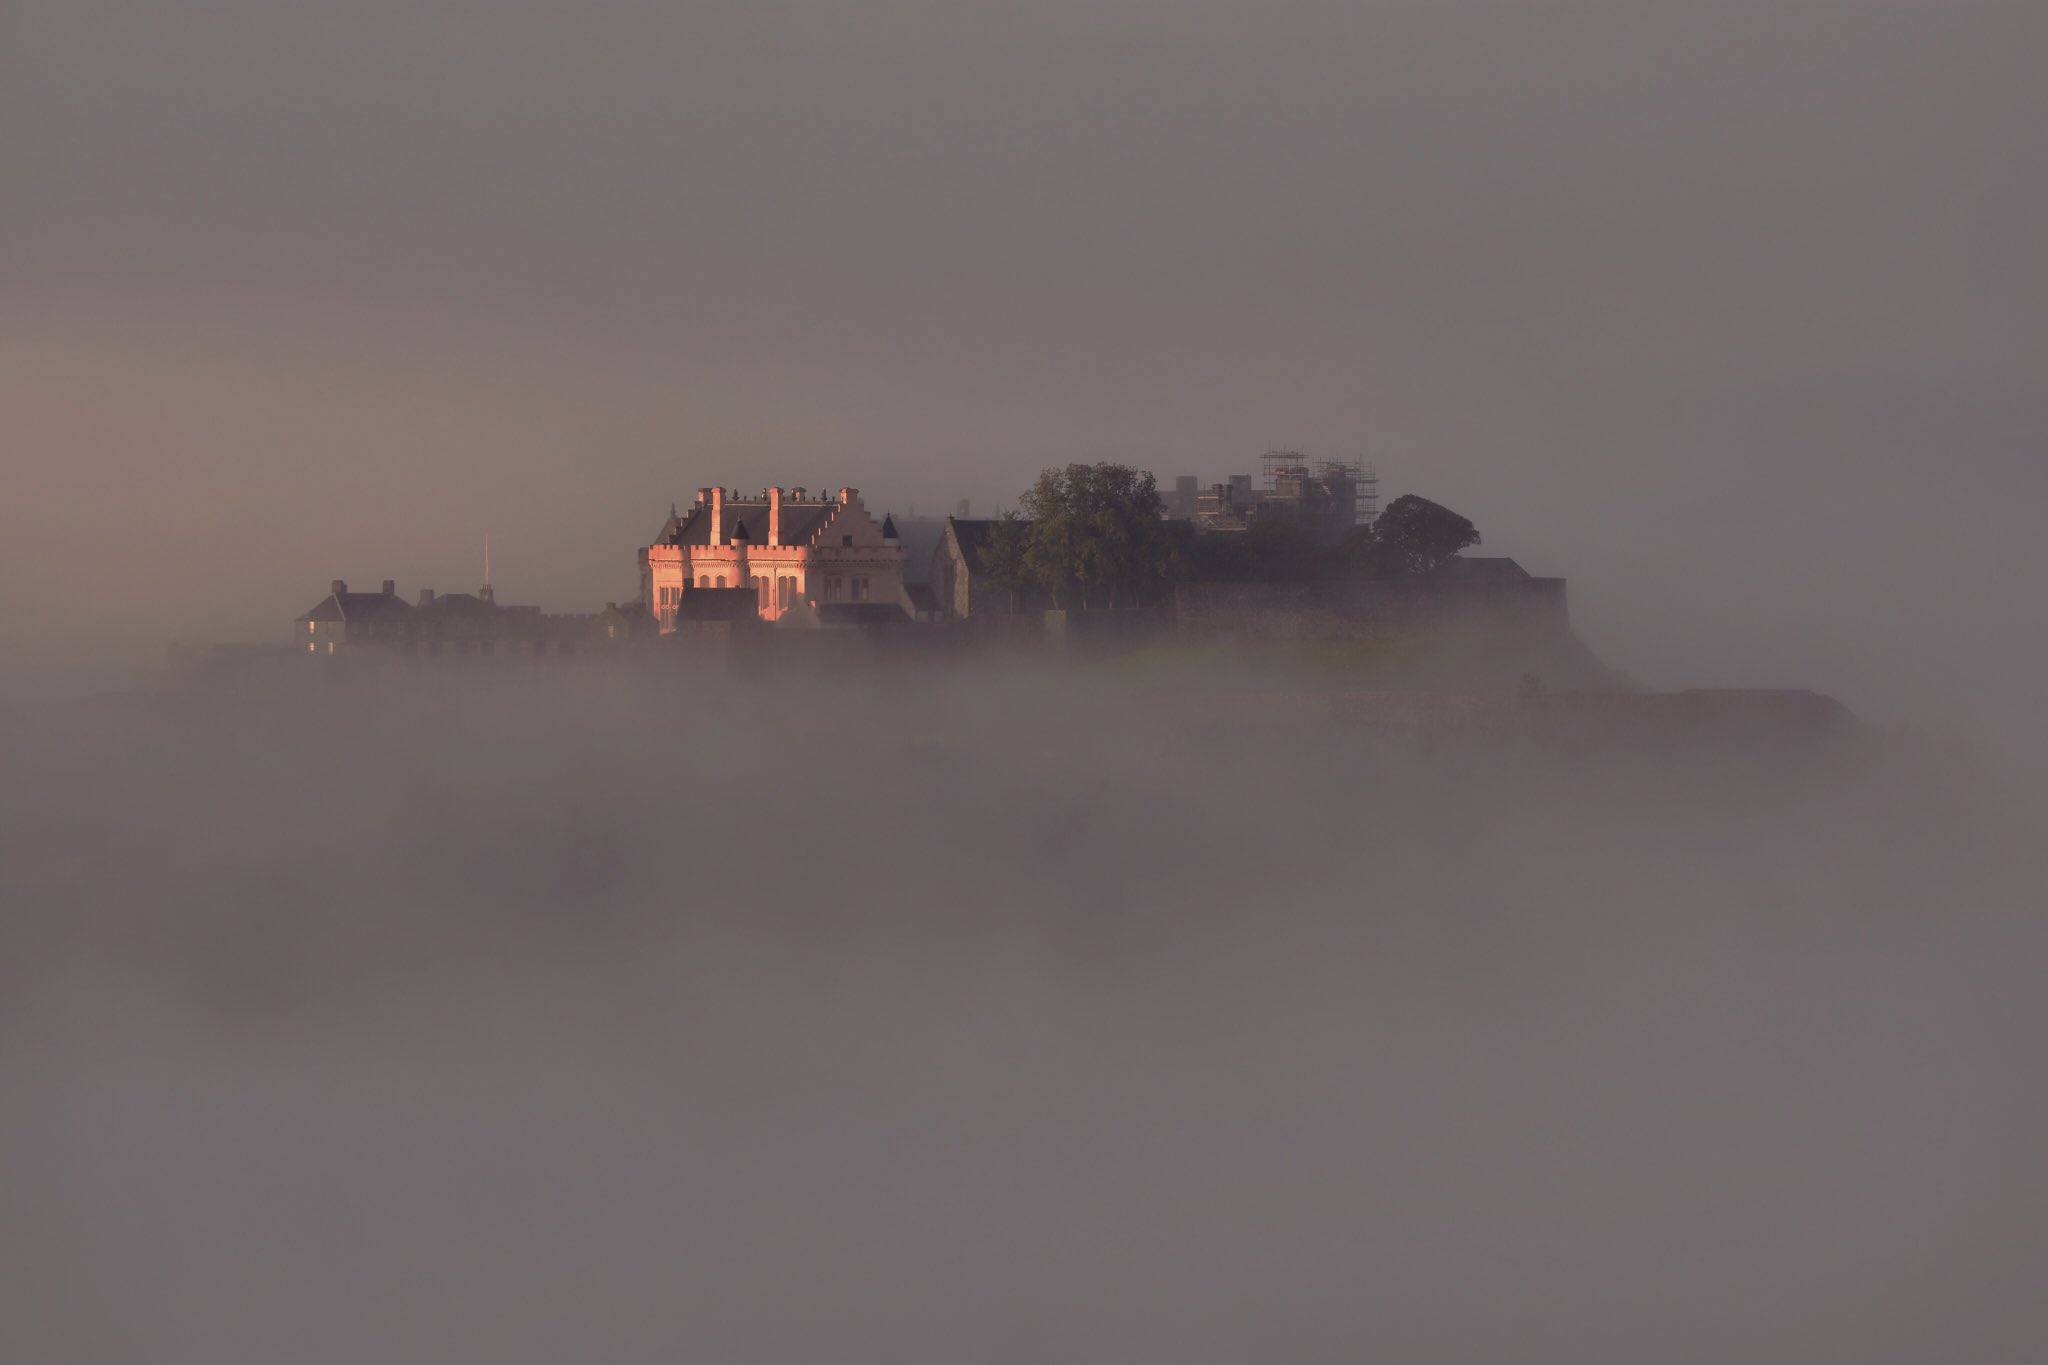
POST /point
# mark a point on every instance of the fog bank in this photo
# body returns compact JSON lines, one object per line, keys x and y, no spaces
{"x":1033,"y":1018}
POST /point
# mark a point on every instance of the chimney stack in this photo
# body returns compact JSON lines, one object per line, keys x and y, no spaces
{"x":426,"y":597}
{"x":337,"y":587}
{"x":775,"y":516}
{"x":846,"y":495}
{"x":718,"y":516}
{"x":391,"y":587}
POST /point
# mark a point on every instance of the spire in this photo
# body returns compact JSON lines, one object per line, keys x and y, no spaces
{"x":485,"y":593}
{"x":888,"y":526}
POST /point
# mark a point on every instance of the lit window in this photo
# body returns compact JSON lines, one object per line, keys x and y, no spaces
{"x":310,"y":627}
{"x":312,"y":648}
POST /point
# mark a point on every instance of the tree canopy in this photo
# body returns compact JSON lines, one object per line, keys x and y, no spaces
{"x":1422,"y":534}
{"x":1413,"y":536}
{"x":1093,"y":535}
{"x":1096,"y":537}
{"x":1002,"y":556}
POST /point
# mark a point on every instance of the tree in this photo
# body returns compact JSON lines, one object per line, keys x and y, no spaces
{"x":1096,"y":535}
{"x":1281,"y":551}
{"x":1273,"y":549}
{"x":1413,"y":536}
{"x":1002,"y":556}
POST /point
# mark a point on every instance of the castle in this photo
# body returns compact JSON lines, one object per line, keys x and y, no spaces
{"x":794,"y":553}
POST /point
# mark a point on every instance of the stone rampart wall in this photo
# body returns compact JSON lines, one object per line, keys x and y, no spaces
{"x":1365,"y":609}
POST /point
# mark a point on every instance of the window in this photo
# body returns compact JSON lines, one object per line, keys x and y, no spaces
{"x":860,"y":590}
{"x":310,"y":627}
{"x":703,"y":580}
{"x":721,"y":580}
{"x":312,"y":648}
{"x":846,"y":540}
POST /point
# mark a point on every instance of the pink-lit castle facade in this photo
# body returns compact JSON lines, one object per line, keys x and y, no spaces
{"x":792,"y":551}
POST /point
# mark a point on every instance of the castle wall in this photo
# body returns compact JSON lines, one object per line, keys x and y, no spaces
{"x":1356,"y":609}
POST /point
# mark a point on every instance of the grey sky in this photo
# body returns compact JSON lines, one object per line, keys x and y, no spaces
{"x":1730,"y":312}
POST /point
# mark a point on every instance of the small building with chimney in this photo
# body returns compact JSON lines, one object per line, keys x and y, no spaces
{"x":784,"y":546}
{"x":457,"y":623}
{"x":345,"y":620}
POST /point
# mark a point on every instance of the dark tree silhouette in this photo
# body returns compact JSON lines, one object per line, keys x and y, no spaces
{"x":1096,"y":536}
{"x":1002,"y":556}
{"x":1413,"y":536}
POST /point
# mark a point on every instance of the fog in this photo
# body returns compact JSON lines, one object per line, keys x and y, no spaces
{"x":1008,"y":1012}
{"x":1022,"y":1015}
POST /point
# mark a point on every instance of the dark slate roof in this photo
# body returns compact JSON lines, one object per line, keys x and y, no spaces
{"x":920,"y":536}
{"x":859,"y":613}
{"x":799,"y":521}
{"x":889,"y":526}
{"x":361,"y":606}
{"x":1492,"y":568}
{"x":458,"y":604}
{"x":972,"y":535}
{"x":717,"y":604}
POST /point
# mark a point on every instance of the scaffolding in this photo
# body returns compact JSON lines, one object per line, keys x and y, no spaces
{"x":1354,"y":481}
{"x":1275,"y":465}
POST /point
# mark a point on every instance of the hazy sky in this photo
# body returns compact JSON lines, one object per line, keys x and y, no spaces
{"x":1731,"y":312}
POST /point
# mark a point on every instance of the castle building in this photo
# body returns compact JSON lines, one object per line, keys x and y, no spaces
{"x":788,"y":549}
{"x":452,"y":623}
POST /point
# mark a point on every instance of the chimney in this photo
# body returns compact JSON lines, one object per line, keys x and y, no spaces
{"x":847,"y":495}
{"x":718,"y":516}
{"x":797,"y":493}
{"x":775,"y":516}
{"x":426,"y":597}
{"x":337,"y":587}
{"x":391,"y":587}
